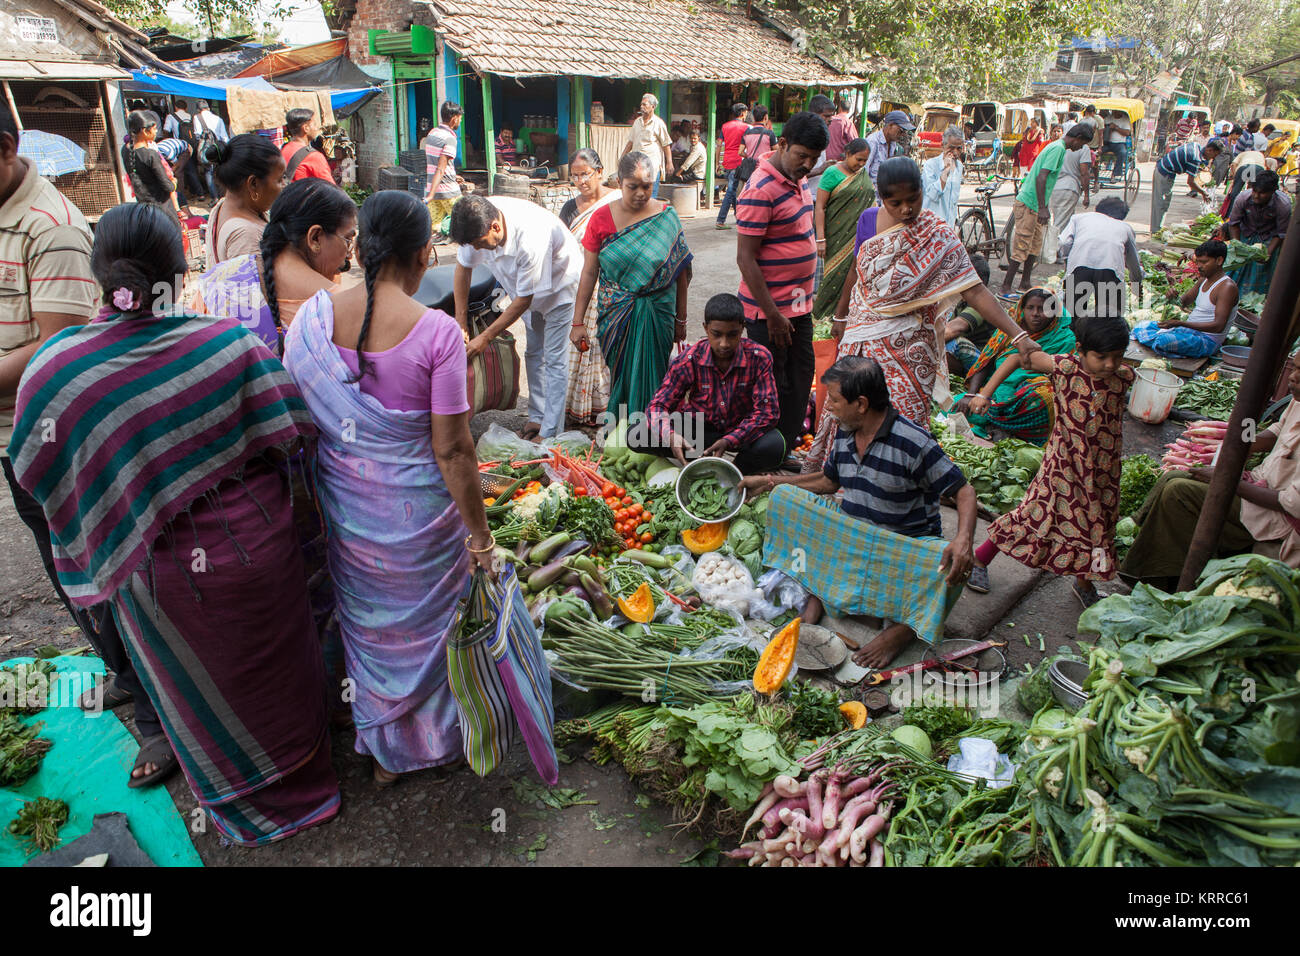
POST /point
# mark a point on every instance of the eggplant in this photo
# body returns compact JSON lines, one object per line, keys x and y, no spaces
{"x":571,"y":579}
{"x":522,"y":549}
{"x":575,"y":547}
{"x":543,"y":551}
{"x":600,"y":602}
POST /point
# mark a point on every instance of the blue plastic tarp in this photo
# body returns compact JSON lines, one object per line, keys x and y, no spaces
{"x":213,"y":89}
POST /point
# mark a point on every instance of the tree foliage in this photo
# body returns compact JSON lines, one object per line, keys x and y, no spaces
{"x":959,"y":49}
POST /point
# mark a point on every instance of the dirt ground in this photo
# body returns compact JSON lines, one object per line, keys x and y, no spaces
{"x":498,"y":821}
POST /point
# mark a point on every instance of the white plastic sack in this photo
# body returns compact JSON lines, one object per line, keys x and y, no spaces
{"x":501,"y":444}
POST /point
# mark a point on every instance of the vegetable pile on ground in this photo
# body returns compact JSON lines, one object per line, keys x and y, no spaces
{"x":1196,"y":447}
{"x":1137,"y":476}
{"x":1186,"y":752}
{"x":1000,"y":475}
{"x":21,"y":751}
{"x":25,"y":687}
{"x":1212,"y":398}
{"x":39,"y":820}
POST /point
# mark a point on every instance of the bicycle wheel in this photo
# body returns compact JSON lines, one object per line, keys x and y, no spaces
{"x":976,"y":232}
{"x":1132,"y":184}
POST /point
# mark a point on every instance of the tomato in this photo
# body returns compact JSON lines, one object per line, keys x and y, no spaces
{"x":612,"y":501}
{"x":647,"y":537}
{"x":622,"y":493}
{"x":607,"y":489}
{"x":580,"y":492}
{"x":647,"y":517}
{"x":638,"y":547}
{"x":637,"y":509}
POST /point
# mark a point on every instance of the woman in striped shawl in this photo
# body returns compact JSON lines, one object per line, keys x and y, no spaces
{"x":156,"y":442}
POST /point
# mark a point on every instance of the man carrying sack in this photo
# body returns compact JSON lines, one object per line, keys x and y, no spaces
{"x":538,"y":263}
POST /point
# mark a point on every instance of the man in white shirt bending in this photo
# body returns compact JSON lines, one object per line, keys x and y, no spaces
{"x":538,"y":263}
{"x":1098,"y":246}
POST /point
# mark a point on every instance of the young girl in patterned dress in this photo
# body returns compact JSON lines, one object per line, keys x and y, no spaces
{"x":1066,"y":523}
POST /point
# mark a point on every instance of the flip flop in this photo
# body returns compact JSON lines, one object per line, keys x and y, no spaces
{"x":1087,"y":600}
{"x":157,"y":750}
{"x":112,"y":697}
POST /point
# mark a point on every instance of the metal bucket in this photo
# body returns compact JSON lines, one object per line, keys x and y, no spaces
{"x":681,"y":196}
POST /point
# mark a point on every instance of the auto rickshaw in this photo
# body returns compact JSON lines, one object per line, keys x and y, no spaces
{"x":1282,"y":146}
{"x":935,"y":118}
{"x":1126,"y":176}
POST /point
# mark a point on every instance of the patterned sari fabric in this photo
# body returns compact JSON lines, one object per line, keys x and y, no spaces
{"x":843,"y":208}
{"x":162,"y":499}
{"x":909,"y":279}
{"x":637,"y":306}
{"x":394,"y":552}
{"x":588,"y":374}
{"x":233,"y":290}
{"x":1066,"y":522}
{"x":1022,"y":405}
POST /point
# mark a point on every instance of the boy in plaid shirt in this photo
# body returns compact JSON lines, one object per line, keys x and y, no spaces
{"x":719,"y":395}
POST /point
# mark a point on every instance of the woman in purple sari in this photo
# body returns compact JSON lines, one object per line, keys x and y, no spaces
{"x":385,"y":380}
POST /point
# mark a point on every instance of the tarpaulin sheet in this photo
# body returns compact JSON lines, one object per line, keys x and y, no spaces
{"x":88,"y":768}
{"x":213,"y":89}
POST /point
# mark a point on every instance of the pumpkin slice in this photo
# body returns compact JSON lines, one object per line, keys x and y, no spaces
{"x":774,"y":664}
{"x":640,"y":607}
{"x":705,"y":538}
{"x":855,"y":713}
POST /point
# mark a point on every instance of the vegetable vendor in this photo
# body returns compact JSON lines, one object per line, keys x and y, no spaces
{"x":1188,"y":159}
{"x":881,"y":550}
{"x":1002,"y":394}
{"x":966,"y":333}
{"x":1260,"y":215}
{"x":1098,"y":246}
{"x":1213,"y":300}
{"x":725,"y":382}
{"x":1265,"y":514}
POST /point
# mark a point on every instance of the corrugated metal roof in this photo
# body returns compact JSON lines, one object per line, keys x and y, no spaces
{"x":658,"y":39}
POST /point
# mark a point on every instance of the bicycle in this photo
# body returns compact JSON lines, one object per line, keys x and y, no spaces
{"x":975,"y":227}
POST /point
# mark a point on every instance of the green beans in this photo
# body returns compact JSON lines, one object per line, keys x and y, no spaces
{"x":707,"y":499}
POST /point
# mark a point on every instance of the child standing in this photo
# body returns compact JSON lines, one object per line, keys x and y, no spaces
{"x":1066,"y":523}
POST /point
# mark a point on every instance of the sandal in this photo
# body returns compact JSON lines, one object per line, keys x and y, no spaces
{"x":105,"y":695}
{"x":979,"y":580}
{"x":1087,"y":598}
{"x":383,"y":778}
{"x":158,"y":751}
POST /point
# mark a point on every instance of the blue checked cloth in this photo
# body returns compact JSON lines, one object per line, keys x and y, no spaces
{"x":854,"y":566}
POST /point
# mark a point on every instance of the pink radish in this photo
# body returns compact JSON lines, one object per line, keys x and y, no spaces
{"x":857,"y":847}
{"x":813,"y":791}
{"x":765,"y":803}
{"x":773,"y":814}
{"x":777,"y":844}
{"x":788,"y":787}
{"x":852,"y":819}
{"x":877,"y":854}
{"x":831,"y":802}
{"x":741,"y":853}
{"x":789,"y":862}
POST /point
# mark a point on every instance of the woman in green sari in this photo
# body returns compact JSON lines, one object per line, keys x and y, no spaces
{"x":999,"y":393}
{"x":844,"y":192}
{"x":635,"y":248}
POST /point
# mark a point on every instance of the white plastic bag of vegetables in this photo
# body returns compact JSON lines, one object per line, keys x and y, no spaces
{"x":725,"y":583}
{"x":501,"y":444}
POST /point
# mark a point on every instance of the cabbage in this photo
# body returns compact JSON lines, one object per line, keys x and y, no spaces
{"x":914,"y":737}
{"x":744,"y":537}
{"x":1030,"y":459}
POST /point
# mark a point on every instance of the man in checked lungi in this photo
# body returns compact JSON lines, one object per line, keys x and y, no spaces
{"x":881,"y":551}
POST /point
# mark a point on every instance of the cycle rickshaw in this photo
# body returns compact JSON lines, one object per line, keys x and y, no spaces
{"x":1126,"y":176}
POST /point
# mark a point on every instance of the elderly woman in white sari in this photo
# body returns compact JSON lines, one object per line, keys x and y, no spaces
{"x":588,"y":373}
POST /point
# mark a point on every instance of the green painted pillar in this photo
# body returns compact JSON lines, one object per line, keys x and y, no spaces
{"x":489,"y":133}
{"x":765,"y":96}
{"x":711,"y":162}
{"x":863,"y":124}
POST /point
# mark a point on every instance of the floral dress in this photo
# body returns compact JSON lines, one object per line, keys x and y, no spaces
{"x":1066,"y":523}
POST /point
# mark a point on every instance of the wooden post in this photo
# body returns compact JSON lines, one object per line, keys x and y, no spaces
{"x":489,"y":132}
{"x":711,"y":162}
{"x":1278,"y":327}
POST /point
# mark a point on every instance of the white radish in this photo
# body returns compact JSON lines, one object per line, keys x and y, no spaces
{"x":852,"y":819}
{"x":831,"y":802}
{"x":877,"y":854}
{"x":788,"y":861}
{"x":788,"y":787}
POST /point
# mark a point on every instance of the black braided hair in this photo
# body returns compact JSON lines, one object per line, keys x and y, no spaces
{"x":303,"y":204}
{"x":137,"y":247}
{"x":393,"y":227}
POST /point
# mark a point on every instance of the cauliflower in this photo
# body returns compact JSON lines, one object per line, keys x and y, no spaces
{"x":1138,"y":757}
{"x":528,"y":506}
{"x":1256,"y":592}
{"x":1052,"y":782}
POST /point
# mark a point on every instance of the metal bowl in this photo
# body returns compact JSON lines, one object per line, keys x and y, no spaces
{"x":819,"y":649}
{"x":1247,"y":321}
{"x":1235,"y":355}
{"x":1066,"y":679}
{"x":727,"y":474}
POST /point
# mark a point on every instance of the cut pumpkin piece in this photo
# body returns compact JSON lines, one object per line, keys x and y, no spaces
{"x":705,"y":538}
{"x":855,"y":713}
{"x":774,"y":664}
{"x":640,"y":607}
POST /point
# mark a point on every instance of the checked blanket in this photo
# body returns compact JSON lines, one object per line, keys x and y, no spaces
{"x":854,"y":566}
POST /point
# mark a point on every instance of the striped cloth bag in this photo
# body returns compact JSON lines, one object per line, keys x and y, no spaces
{"x":499,"y":677}
{"x":494,"y":372}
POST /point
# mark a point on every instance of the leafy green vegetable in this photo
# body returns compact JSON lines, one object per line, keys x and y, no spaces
{"x":1213,"y":399}
{"x":743,"y":537}
{"x":816,"y":711}
{"x":1137,"y":476}
{"x":1000,"y":475}
{"x":21,"y":751}
{"x":39,"y":820}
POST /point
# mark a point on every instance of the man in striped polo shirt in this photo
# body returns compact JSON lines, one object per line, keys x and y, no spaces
{"x":776,"y":250}
{"x":1187,"y":158}
{"x":892,"y":473}
{"x":442,"y":186}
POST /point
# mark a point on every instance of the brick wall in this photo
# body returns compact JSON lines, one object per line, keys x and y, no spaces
{"x":379,"y":15}
{"x":380,"y":142}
